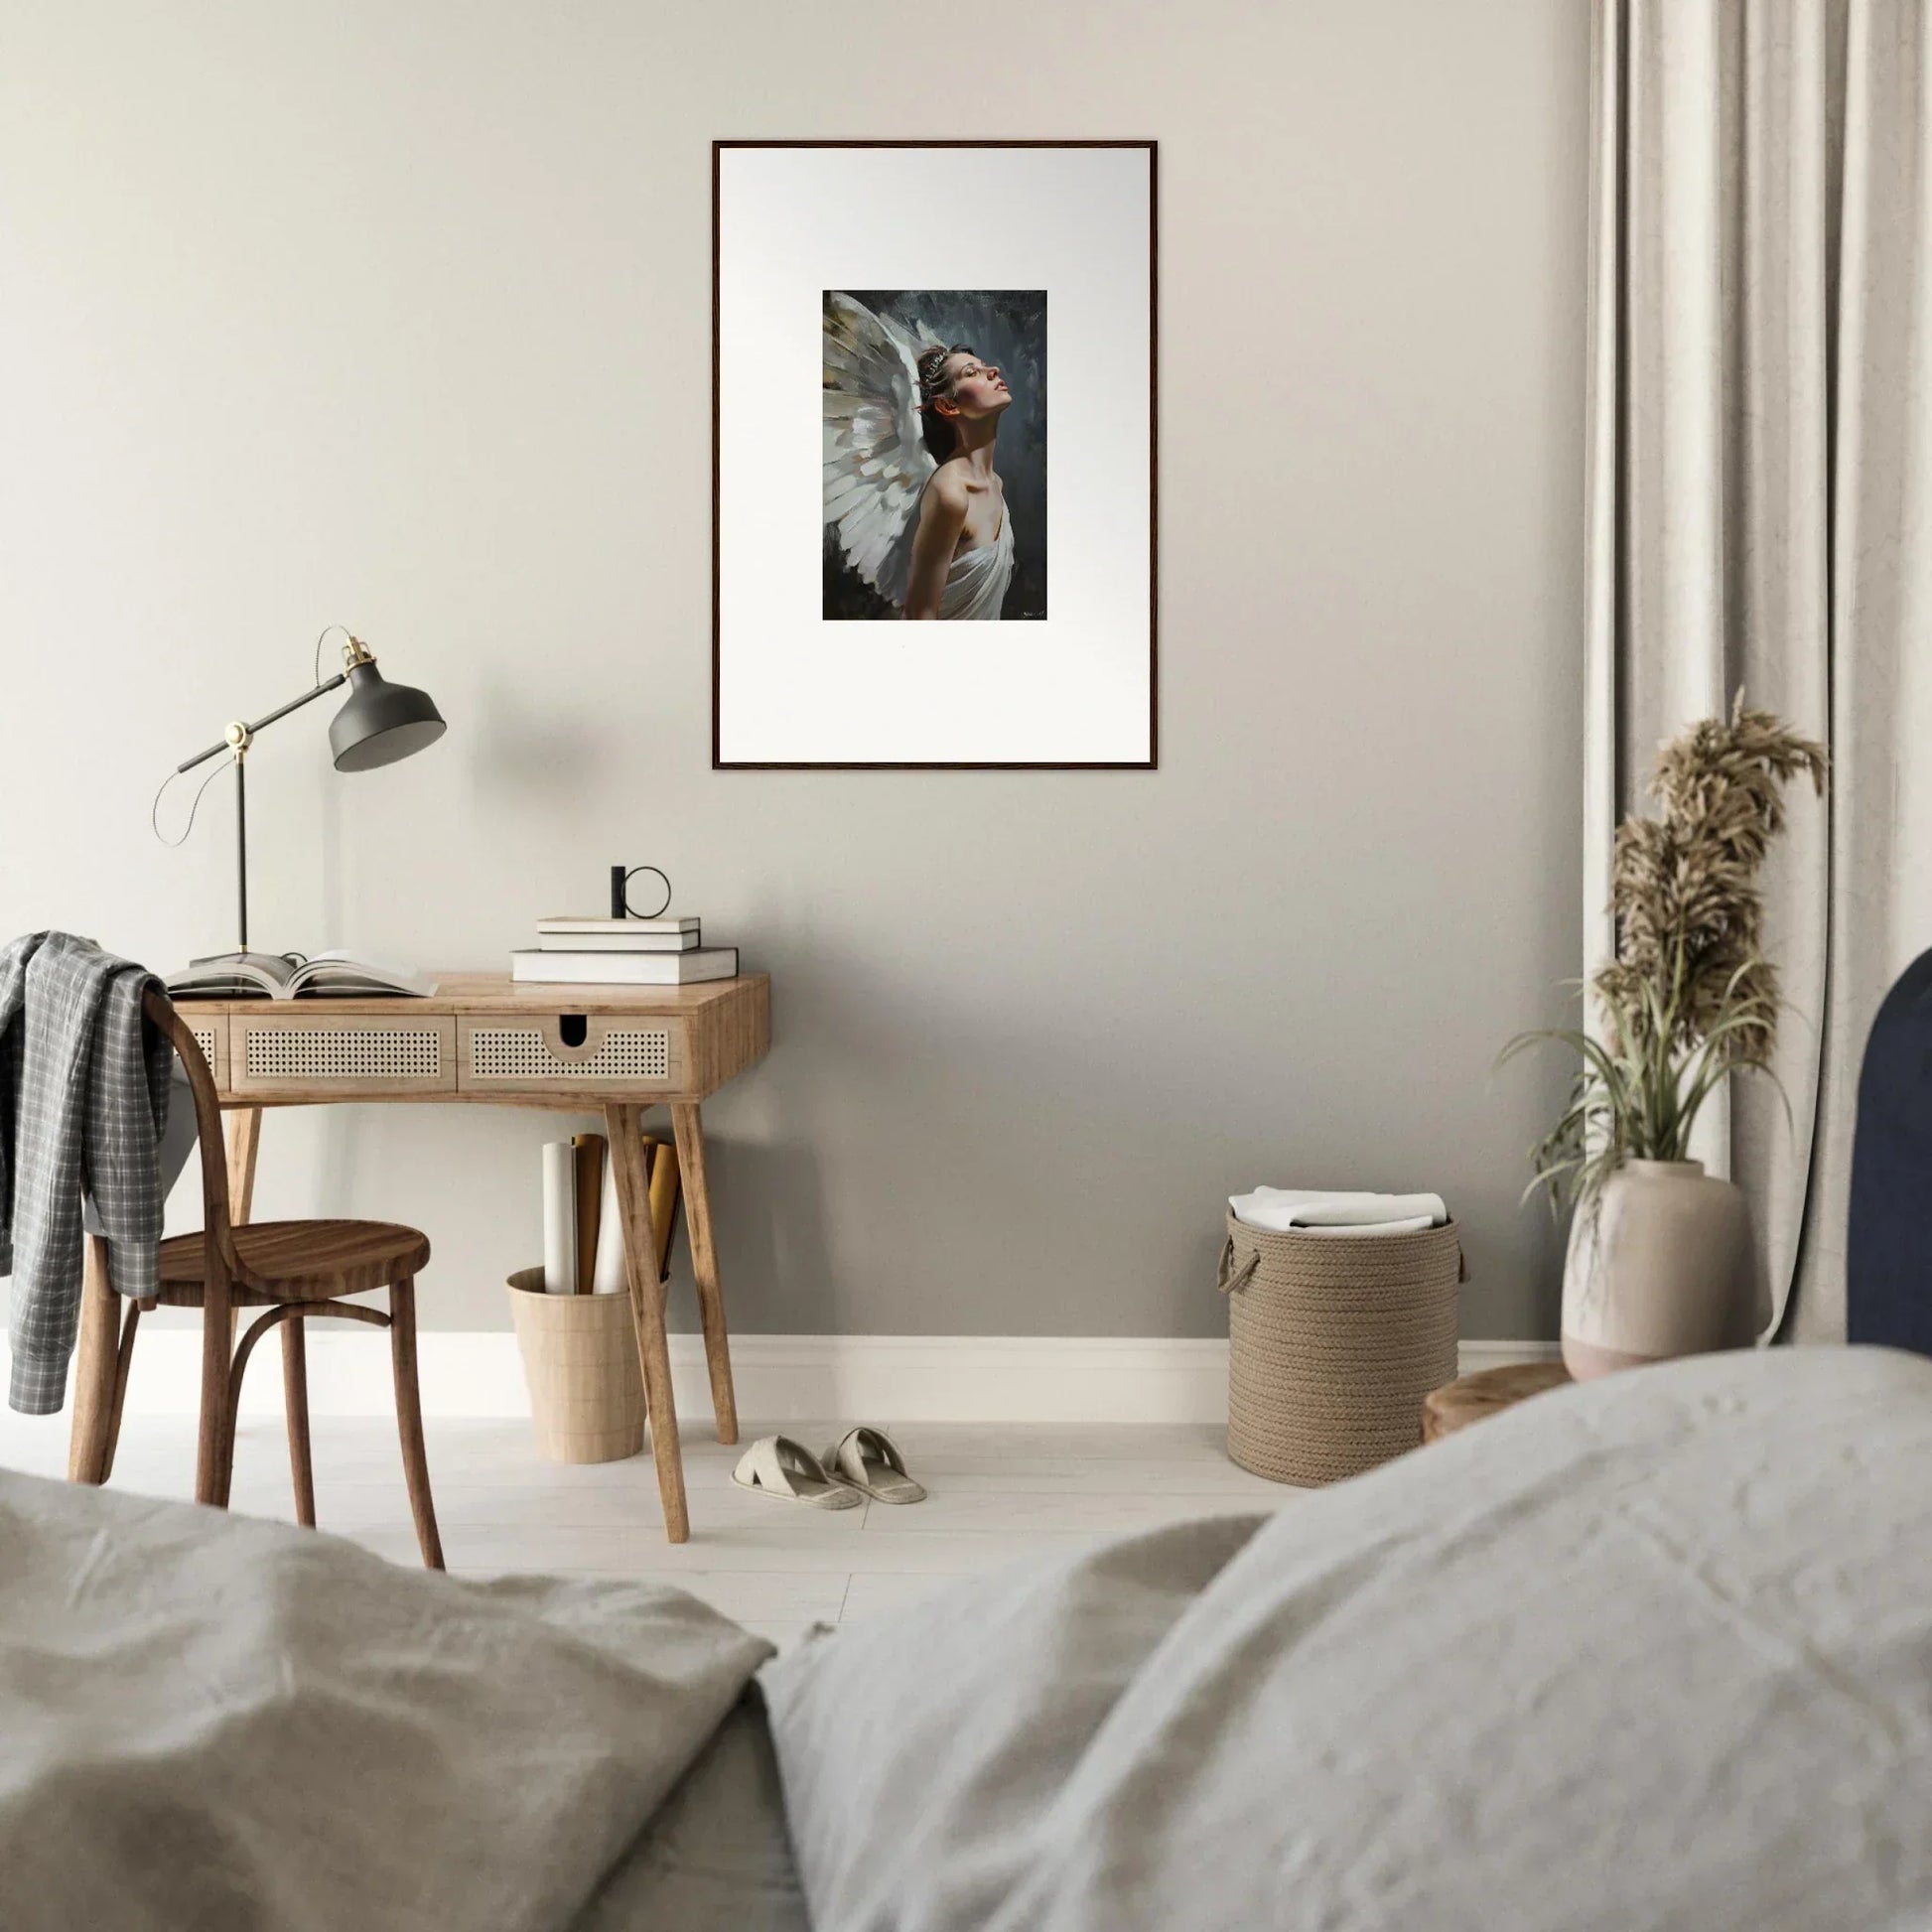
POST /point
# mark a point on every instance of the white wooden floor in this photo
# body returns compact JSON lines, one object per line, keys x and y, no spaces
{"x":996,"y":1493}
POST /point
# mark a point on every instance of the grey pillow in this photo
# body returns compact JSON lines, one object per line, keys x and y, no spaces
{"x":1653,"y":1651}
{"x":918,"y":1748}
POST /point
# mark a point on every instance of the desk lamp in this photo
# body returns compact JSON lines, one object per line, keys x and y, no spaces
{"x":378,"y":724}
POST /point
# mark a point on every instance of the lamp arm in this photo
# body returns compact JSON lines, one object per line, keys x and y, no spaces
{"x":248,"y":731}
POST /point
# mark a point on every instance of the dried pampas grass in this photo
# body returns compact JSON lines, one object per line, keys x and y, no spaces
{"x":1690,"y":996}
{"x":1684,"y":887}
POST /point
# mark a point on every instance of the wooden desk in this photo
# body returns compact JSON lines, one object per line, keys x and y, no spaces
{"x":483,"y":1040}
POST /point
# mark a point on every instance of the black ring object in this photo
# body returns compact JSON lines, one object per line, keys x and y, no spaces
{"x":631,"y":911}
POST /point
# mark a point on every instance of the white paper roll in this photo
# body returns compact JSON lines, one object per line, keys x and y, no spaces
{"x":559,"y":1218}
{"x":608,"y":1277}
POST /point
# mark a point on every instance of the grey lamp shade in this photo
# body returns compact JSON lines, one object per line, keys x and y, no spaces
{"x":381,"y":722}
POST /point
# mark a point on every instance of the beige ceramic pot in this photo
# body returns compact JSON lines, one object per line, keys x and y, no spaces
{"x":1660,"y":1267}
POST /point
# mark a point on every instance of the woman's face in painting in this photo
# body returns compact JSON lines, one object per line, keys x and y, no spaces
{"x":978,"y":387}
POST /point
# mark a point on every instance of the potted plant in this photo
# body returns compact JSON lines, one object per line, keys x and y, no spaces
{"x":1658,"y":1261}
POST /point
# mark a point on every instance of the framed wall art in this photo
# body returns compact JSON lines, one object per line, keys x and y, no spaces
{"x":933,"y":497}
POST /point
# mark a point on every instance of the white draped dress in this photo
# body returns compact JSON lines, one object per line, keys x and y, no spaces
{"x":976,"y":585}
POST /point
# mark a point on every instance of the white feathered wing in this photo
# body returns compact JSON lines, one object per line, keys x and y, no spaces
{"x":876,"y":466}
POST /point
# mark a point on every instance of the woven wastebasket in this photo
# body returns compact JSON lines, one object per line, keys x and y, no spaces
{"x":1333,"y":1341}
{"x":580,"y":1360}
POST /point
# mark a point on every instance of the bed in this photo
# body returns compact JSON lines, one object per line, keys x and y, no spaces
{"x":1652,"y":1652}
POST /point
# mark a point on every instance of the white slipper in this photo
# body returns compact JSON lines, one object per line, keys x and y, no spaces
{"x":775,"y":1465}
{"x":869,"y":1460}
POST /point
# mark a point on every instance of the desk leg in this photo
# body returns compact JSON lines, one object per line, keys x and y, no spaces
{"x":244,"y":1131}
{"x":243,"y":1128}
{"x":214,"y":1444}
{"x":92,"y":1434}
{"x":625,"y":1126}
{"x":689,"y":1129}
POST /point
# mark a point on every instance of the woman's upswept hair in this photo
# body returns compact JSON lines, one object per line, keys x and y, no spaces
{"x":937,"y":431}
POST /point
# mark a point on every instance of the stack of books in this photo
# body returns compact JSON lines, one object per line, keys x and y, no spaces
{"x":623,"y":952}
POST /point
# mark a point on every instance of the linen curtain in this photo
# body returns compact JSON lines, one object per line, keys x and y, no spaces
{"x":1759,"y":514}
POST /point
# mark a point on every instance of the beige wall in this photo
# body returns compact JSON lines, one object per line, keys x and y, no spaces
{"x":399,"y":315}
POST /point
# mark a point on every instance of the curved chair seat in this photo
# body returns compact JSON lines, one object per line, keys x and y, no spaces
{"x":298,"y":1261}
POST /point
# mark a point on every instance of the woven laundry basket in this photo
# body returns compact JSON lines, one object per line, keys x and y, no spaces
{"x":1333,"y":1341}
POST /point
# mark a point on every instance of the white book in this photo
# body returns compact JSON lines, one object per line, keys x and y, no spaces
{"x":624,"y":968}
{"x":560,"y":923}
{"x":619,"y":942}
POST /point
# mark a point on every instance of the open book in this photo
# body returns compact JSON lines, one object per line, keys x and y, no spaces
{"x":292,"y":976}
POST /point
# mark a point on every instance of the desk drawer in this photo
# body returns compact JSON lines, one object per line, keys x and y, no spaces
{"x":504,"y":1052}
{"x":211,"y":1031}
{"x":310,"y":1050}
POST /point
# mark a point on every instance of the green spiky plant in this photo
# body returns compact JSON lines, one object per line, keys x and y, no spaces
{"x":1690,"y":996}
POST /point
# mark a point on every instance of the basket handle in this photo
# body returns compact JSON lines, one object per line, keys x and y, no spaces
{"x":1228,"y":1278}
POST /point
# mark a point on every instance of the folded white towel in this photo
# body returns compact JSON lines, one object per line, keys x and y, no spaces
{"x":1314,"y":1210}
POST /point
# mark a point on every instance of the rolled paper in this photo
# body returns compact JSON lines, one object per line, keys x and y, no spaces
{"x":589,"y":1150}
{"x":664,"y":1184}
{"x":559,"y":1218}
{"x":608,"y":1278}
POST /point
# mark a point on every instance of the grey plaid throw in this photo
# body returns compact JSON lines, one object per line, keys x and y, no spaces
{"x":83,"y":1097}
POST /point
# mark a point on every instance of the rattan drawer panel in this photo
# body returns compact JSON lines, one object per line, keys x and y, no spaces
{"x":211,"y":1031}
{"x":316,"y":1052}
{"x":502,"y":1052}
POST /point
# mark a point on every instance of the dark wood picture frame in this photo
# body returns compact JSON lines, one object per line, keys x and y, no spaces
{"x":1153,"y":760}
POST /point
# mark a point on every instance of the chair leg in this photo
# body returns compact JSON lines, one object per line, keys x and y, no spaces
{"x":409,"y":1418}
{"x":295,"y":1400}
{"x":95,"y":1370}
{"x":214,"y":1445}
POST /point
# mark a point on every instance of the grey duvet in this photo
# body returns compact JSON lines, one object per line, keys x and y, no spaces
{"x":1652,"y":1653}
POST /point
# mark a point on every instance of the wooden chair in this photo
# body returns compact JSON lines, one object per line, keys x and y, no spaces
{"x":292,"y":1269}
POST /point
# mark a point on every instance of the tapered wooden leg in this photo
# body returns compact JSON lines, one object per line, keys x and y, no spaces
{"x":295,"y":1404}
{"x":243,"y":1129}
{"x":409,"y":1418}
{"x":123,"y":1368}
{"x":704,"y":1265}
{"x":648,"y":1313}
{"x":214,"y":1445}
{"x":93,"y":1369}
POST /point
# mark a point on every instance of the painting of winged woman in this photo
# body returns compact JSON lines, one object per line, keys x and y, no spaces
{"x":935,"y":454}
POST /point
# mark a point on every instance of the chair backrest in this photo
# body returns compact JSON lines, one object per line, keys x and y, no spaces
{"x":218,"y":1232}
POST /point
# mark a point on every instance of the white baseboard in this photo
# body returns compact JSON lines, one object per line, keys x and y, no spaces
{"x":778,"y":1378}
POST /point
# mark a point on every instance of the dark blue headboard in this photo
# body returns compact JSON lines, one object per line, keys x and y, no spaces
{"x":1888,"y":1245}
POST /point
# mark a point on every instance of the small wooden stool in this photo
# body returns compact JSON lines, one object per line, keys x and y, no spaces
{"x":1488,"y":1392}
